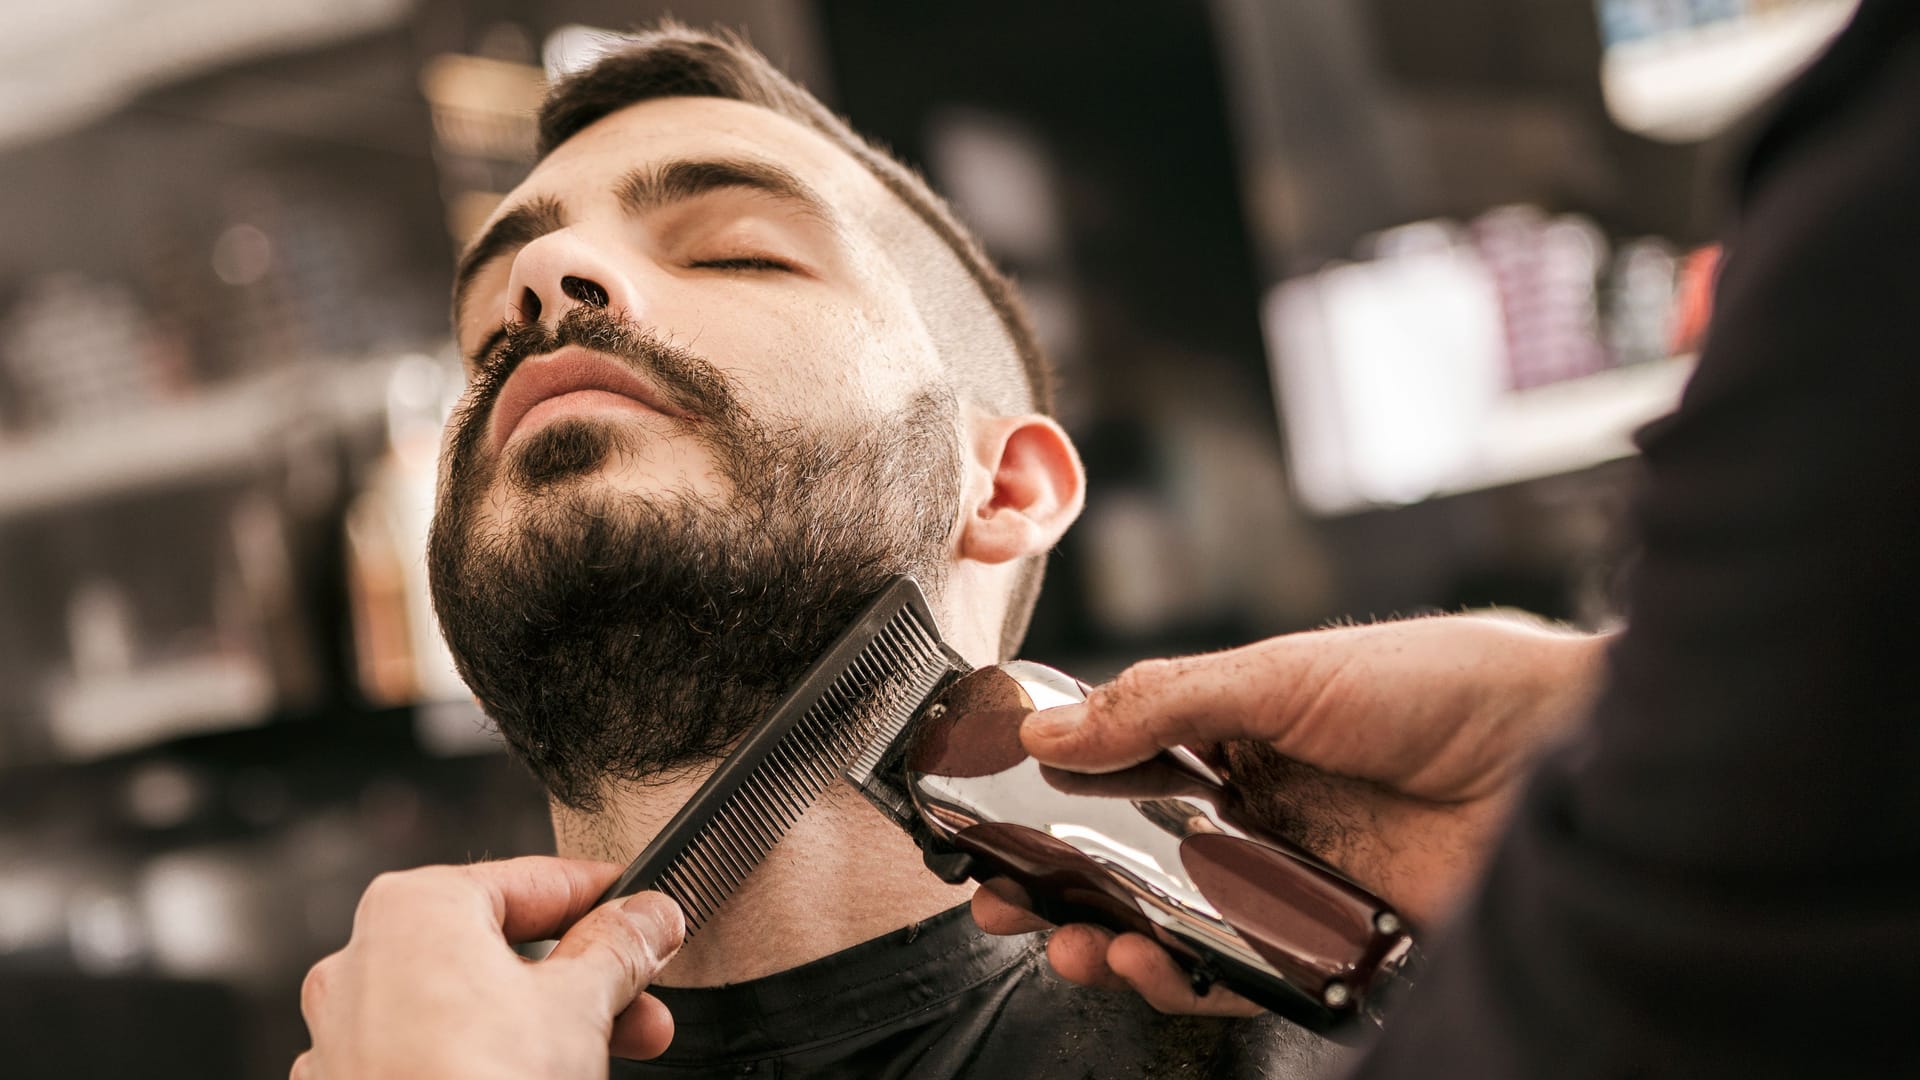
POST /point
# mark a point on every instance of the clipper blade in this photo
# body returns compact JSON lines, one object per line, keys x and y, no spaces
{"x":849,"y":706}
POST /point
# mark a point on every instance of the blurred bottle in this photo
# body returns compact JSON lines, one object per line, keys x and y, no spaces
{"x":1640,"y":301}
{"x":1546,"y":271}
{"x":78,"y":349}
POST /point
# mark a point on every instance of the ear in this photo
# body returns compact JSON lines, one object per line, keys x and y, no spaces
{"x":1026,"y":486}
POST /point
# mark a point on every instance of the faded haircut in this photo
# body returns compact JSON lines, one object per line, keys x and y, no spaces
{"x":977,"y":321}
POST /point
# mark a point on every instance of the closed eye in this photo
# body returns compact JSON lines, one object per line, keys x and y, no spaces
{"x":744,"y":262}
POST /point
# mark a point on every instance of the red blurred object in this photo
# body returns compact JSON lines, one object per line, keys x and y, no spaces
{"x":1699,"y":273}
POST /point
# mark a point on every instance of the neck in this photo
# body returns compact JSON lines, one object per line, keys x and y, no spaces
{"x":842,"y":875}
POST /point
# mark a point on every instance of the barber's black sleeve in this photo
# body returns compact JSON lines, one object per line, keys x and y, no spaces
{"x":1722,"y":878}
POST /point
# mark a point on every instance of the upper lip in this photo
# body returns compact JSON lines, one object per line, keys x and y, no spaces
{"x":565,"y":371}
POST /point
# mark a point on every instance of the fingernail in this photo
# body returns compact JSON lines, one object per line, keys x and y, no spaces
{"x":660,"y":920}
{"x":1057,"y":722}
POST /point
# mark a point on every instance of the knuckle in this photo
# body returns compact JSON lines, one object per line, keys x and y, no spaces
{"x":622,"y":939}
{"x":399,"y":888}
{"x":1169,"y":998}
{"x":1137,"y":693}
{"x":384,"y":888}
{"x":1138,"y":681}
{"x":626,"y":947}
{"x":315,"y":987}
{"x":635,"y":946}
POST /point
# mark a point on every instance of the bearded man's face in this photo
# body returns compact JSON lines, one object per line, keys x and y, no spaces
{"x":706,"y":429}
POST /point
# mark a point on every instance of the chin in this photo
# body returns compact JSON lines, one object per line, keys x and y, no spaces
{"x":585,"y":454}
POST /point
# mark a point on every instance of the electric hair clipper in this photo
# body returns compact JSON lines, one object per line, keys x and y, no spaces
{"x":1163,"y":848}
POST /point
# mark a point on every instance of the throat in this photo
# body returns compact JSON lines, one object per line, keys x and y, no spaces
{"x":842,"y":875}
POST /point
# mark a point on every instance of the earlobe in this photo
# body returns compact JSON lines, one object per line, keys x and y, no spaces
{"x":1035,"y":489}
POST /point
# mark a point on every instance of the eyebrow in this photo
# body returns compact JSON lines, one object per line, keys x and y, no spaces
{"x":670,"y":182}
{"x":640,"y":191}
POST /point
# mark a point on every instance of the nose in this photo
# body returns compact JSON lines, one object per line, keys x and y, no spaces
{"x":558,"y":271}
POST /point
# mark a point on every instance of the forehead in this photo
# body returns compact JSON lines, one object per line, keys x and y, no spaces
{"x":665,"y":129}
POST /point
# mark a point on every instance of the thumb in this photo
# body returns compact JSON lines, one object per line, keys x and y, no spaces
{"x":1237,"y":694}
{"x":612,"y":954}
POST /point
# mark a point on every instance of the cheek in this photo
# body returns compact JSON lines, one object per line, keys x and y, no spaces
{"x":881,"y":360}
{"x":804,"y":360}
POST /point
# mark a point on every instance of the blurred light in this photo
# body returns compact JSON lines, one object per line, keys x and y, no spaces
{"x":421,"y":395}
{"x":162,"y":795}
{"x":416,"y":393}
{"x":64,"y":64}
{"x":100,"y":629}
{"x":574,"y":47}
{"x":507,"y":40}
{"x":242,"y":255}
{"x":106,"y":932}
{"x":1386,"y":370}
{"x":195,"y":905}
{"x":32,"y":903}
{"x":1002,"y":180}
{"x":1682,"y":72}
{"x":483,"y":108}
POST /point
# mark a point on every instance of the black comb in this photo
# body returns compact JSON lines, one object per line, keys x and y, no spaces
{"x":875,"y":676}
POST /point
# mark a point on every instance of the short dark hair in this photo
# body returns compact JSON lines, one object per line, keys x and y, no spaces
{"x":673,"y":60}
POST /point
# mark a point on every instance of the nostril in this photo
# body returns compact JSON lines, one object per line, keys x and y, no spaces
{"x":529,"y":306}
{"x":586,"y":292}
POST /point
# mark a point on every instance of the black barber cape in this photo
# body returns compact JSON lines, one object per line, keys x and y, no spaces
{"x":1722,"y":877}
{"x":941,"y":1001}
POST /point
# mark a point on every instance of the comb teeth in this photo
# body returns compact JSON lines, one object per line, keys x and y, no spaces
{"x":884,"y":791}
{"x":848,"y":706}
{"x":890,"y":717}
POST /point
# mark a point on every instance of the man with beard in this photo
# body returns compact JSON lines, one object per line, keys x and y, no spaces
{"x":1716,"y":878}
{"x":731,"y":368}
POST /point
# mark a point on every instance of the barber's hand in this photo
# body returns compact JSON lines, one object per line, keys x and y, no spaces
{"x":1393,"y":751}
{"x":428,"y":986}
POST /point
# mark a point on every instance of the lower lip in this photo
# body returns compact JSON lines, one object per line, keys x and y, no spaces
{"x":578,"y":403}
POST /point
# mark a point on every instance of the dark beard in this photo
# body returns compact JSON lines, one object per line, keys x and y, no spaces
{"x":618,"y":637}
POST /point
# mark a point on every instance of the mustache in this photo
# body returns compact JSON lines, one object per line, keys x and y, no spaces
{"x":689,"y":381}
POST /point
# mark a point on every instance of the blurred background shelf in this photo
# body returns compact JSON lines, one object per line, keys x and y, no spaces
{"x":219,"y":431}
{"x":1567,"y":426}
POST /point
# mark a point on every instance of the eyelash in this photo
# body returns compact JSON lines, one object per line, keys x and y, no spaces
{"x":744,"y":262}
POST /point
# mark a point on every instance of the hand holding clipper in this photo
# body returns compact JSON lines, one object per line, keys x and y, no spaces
{"x":1161,"y":849}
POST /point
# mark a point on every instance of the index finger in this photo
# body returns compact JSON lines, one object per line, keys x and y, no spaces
{"x":535,"y":897}
{"x":1162,"y":703}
